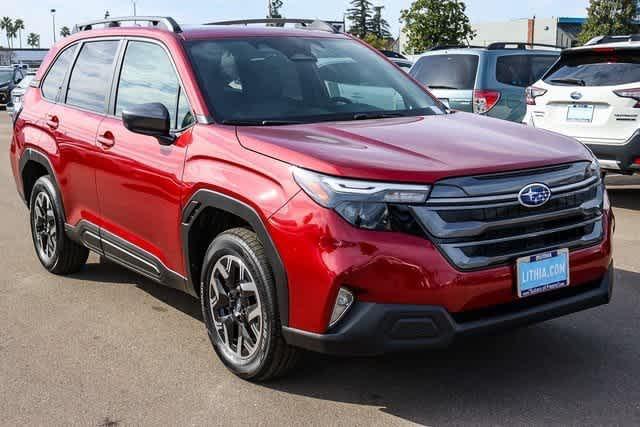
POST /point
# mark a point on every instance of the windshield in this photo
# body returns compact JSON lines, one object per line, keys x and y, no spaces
{"x":282,"y":80}
{"x":457,"y":72}
{"x":5,"y":76}
{"x":596,"y":69}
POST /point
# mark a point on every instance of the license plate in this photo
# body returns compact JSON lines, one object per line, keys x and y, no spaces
{"x":580,"y":113}
{"x":543,"y":273}
{"x":445,"y":101}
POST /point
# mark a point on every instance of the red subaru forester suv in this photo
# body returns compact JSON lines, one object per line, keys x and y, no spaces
{"x":309,"y":192}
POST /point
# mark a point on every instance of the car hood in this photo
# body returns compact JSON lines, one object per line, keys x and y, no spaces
{"x":413,"y":149}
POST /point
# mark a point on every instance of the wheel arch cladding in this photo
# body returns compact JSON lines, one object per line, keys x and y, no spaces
{"x":205,"y":201}
{"x":33,"y":165}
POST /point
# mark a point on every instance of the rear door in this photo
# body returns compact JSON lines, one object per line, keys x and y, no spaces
{"x":450,"y":76}
{"x":513,"y":74}
{"x":72,"y":123}
{"x":581,"y":100}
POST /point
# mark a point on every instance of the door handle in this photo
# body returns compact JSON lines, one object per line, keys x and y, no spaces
{"x":106,"y":140}
{"x":53,"y":122}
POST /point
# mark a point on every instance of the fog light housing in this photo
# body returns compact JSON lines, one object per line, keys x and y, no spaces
{"x":344,"y":301}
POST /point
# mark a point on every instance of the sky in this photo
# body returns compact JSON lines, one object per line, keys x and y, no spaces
{"x":37,"y":17}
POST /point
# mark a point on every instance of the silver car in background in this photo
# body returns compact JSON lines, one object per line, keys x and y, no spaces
{"x":15,"y":98}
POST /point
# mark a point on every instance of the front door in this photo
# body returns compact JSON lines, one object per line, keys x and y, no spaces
{"x":139,"y":181}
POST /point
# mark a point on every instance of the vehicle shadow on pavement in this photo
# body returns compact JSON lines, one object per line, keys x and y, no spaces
{"x":574,"y":367}
{"x":625,"y":198}
{"x":106,"y":271}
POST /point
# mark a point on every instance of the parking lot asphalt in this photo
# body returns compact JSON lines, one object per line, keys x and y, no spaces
{"x":106,"y":347}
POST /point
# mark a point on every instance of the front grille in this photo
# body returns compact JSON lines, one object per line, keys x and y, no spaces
{"x":485,"y":225}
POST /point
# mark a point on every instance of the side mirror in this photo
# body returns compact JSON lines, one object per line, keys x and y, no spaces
{"x":151,"y":119}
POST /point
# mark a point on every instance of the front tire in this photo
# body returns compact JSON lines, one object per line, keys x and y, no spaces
{"x":239,"y":308}
{"x":56,"y":252}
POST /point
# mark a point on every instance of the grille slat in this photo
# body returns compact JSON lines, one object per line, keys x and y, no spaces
{"x":475,"y":235}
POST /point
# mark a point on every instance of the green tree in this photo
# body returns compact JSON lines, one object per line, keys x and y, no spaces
{"x":377,"y":42}
{"x":360,"y":15}
{"x":609,"y":18}
{"x":12,"y":33}
{"x":33,"y":40}
{"x":6,"y":24}
{"x":274,"y":10}
{"x":379,"y":25}
{"x":64,"y":31}
{"x":430,"y":23}
{"x":18,"y":25}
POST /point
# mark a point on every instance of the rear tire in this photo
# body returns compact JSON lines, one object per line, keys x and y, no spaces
{"x":56,"y":252}
{"x":239,"y":308}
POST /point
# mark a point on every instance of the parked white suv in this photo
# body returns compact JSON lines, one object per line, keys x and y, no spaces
{"x":593,"y":94}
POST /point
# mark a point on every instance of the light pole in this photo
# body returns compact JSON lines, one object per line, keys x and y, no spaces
{"x":53,"y":16}
{"x":134,"y":8}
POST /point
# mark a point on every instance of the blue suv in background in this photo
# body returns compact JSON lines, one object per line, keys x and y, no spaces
{"x":487,"y":80}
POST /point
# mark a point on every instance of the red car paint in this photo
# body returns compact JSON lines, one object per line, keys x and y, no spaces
{"x":138,"y":189}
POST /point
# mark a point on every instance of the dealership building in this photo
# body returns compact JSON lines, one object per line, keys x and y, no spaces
{"x":562,"y":31}
{"x":30,"y":57}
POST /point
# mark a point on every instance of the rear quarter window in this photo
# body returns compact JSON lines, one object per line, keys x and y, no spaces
{"x":55,"y":77}
{"x":522,"y":70}
{"x":447,"y":71}
{"x":596,"y":69}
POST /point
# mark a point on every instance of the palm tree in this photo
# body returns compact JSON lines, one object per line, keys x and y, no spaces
{"x":18,"y":24}
{"x":33,"y":40}
{"x":12,"y":33}
{"x":64,"y":31}
{"x":6,"y":24}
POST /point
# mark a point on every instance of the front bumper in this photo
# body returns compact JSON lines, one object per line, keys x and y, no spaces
{"x":373,"y":329}
{"x":619,"y":158}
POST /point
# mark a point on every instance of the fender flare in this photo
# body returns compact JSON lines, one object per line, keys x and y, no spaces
{"x":207,"y":198}
{"x":30,"y":154}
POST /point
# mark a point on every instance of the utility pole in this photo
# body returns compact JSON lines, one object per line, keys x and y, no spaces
{"x":269,"y":11}
{"x":134,"y":8}
{"x":53,"y":16}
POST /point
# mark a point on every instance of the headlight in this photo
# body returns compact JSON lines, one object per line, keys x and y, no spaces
{"x":594,"y":169}
{"x":365,"y":204}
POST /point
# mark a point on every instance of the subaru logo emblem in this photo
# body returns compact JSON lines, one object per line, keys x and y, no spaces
{"x":534,"y":195}
{"x":576,"y":95}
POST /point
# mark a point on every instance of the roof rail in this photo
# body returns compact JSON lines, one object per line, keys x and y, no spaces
{"x":309,"y":24}
{"x":455,"y":46}
{"x":519,"y":45}
{"x":165,"y":22}
{"x":392,"y":54}
{"x":613,"y":39}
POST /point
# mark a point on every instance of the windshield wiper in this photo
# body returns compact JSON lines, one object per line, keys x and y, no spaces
{"x":442,"y":87}
{"x":260,"y":122}
{"x":370,"y":116}
{"x":570,"y":81}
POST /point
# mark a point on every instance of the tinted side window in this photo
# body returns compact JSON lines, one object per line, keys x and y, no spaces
{"x":447,"y":71}
{"x":522,"y":70}
{"x":91,"y":76}
{"x":55,"y":76}
{"x":596,"y":69}
{"x":147,"y":76}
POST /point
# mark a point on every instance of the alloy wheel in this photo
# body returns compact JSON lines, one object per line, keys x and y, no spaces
{"x":235,"y":307}
{"x":45,"y":228}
